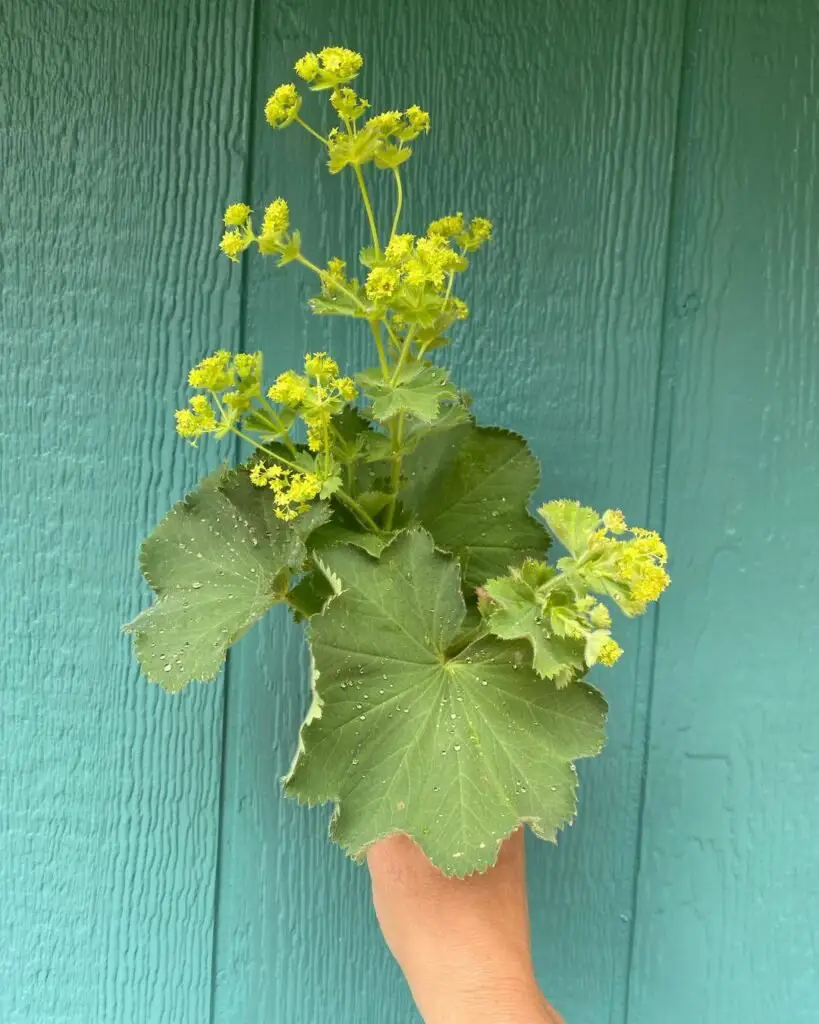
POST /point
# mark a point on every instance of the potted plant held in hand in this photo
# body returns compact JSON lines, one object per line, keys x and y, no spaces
{"x":448,"y":653}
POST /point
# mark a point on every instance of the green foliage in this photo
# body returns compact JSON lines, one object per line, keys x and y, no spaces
{"x":469,"y":486}
{"x":417,"y":389}
{"x":217,"y":562}
{"x":454,"y":747}
{"x":449,"y":655}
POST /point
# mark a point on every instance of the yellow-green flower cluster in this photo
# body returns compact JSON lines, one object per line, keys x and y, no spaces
{"x":348,"y":104}
{"x":315,"y":396}
{"x":381,"y":138}
{"x":283,"y":106}
{"x":629,"y":569}
{"x":329,"y":67}
{"x":292,"y":490}
{"x":274,"y":237}
{"x":198,"y":419}
{"x":609,"y":652}
{"x":232,"y":380}
{"x":469,"y":237}
{"x":417,"y":262}
{"x":240,"y":231}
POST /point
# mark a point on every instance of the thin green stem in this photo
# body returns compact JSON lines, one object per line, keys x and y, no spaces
{"x":379,"y":344}
{"x":395,"y":469}
{"x":335,"y":284}
{"x":267,"y":451}
{"x":312,"y":131}
{"x":406,"y":348}
{"x":368,"y":206}
{"x":448,"y":288}
{"x":399,"y":201}
{"x":393,"y":336}
{"x":285,"y":436}
{"x":363,"y":517}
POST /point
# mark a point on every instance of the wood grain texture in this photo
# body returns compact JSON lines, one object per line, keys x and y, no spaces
{"x":557,"y":121}
{"x":123,"y":128}
{"x":728,"y":888}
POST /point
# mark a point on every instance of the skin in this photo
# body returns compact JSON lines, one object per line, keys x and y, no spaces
{"x":463,"y":944}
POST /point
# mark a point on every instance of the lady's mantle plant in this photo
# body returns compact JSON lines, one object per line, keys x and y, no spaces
{"x":448,"y":654}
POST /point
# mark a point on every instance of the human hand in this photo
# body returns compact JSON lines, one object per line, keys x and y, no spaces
{"x":463,"y":944}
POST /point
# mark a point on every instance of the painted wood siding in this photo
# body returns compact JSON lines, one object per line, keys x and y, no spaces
{"x":648,"y":316}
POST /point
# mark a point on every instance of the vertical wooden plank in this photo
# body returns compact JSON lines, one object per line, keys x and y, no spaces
{"x":728,"y":892}
{"x":123,"y":127}
{"x":557,"y":121}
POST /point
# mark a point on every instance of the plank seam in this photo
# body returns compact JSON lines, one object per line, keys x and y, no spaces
{"x":661,"y":450}
{"x":250,"y":135}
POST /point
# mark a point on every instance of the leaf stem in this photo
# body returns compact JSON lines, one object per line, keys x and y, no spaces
{"x":322,"y":274}
{"x":397,"y":434}
{"x":364,"y":517}
{"x":312,"y":131}
{"x":379,"y":344}
{"x":402,"y":358}
{"x":365,"y":195}
{"x":399,"y":188}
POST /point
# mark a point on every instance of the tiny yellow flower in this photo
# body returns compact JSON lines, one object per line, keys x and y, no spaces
{"x":649,"y":542}
{"x":236,"y":214}
{"x":307,"y":67}
{"x":236,"y":401}
{"x":480,"y":231}
{"x":447,"y":227}
{"x":198,"y":419}
{"x":615,"y":521}
{"x":321,"y":366}
{"x":212,"y":373}
{"x":398,"y":249}
{"x":460,"y":309}
{"x":315,"y":437}
{"x":599,"y":616}
{"x":417,"y":121}
{"x":276,"y":218}
{"x":329,"y":67}
{"x":187,"y":424}
{"x":385,"y":124}
{"x":283,"y":106}
{"x":290,"y":389}
{"x":336,"y":267}
{"x":248,"y":366}
{"x":258,"y":475}
{"x":382,"y":283}
{"x":610,"y":652}
{"x":346,"y":388}
{"x":234,"y":243}
{"x":348,"y":104}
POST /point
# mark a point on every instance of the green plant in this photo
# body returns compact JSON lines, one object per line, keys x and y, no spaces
{"x":448,"y":654}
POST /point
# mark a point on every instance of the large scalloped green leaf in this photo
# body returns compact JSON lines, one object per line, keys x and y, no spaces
{"x":404,"y":735}
{"x":469,"y":487}
{"x":215,"y":562}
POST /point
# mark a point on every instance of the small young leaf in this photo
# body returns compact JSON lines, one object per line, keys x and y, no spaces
{"x":572,"y":524}
{"x":216,"y":563}
{"x":469,"y":487}
{"x":456,"y":751}
{"x":419,"y":391}
{"x":516,"y":615}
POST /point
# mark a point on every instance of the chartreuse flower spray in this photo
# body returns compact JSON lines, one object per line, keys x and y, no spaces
{"x":449,"y":653}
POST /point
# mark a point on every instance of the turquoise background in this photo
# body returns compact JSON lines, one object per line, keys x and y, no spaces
{"x":648,"y":316}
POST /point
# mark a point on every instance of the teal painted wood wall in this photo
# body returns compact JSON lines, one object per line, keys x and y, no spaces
{"x":648,"y":316}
